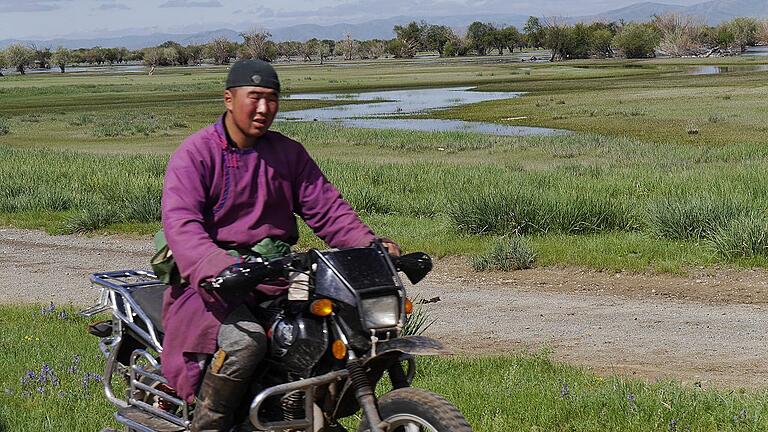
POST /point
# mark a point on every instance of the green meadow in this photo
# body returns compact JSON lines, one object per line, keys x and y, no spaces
{"x":663,"y":171}
{"x":52,"y":368}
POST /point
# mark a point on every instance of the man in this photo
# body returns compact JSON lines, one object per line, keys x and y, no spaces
{"x":230,"y":186}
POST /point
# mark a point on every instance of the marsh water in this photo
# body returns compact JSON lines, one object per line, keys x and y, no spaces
{"x":757,"y":51}
{"x":375,"y":110}
{"x":114,"y":69}
{"x":714,"y":70}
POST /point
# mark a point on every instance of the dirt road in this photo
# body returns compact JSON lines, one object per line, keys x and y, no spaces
{"x":708,"y":327}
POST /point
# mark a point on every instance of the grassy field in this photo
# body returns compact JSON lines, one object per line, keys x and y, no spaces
{"x":665,"y":171}
{"x":52,"y":370}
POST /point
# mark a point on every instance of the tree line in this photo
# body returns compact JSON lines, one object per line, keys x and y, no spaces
{"x":669,"y":34}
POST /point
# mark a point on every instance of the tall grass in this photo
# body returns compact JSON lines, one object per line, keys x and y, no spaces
{"x":506,"y":254}
{"x":745,"y":236}
{"x":664,"y":199}
{"x":96,"y":190}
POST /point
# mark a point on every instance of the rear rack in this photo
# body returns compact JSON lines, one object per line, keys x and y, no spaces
{"x":116,"y":289}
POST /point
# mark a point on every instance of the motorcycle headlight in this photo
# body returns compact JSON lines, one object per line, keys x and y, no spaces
{"x":381,"y":312}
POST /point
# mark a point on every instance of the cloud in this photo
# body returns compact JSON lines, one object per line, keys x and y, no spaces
{"x":191,"y":4}
{"x":29,"y":5}
{"x":113,"y":5}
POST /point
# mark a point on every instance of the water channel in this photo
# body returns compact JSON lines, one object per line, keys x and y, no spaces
{"x":715,"y":70}
{"x":375,"y":110}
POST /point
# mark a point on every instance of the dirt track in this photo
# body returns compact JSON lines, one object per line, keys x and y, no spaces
{"x":708,"y":327}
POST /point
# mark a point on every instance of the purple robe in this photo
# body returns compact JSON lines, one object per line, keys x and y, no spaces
{"x":218,"y":197}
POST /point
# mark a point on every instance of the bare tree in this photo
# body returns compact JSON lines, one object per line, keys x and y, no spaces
{"x":348,"y":46}
{"x":19,"y":57}
{"x":762,"y":32}
{"x":288,"y":49}
{"x":60,"y":57}
{"x":257,"y":45}
{"x":3,"y":62}
{"x":679,"y":34}
{"x":195,"y":53}
{"x":221,"y":50}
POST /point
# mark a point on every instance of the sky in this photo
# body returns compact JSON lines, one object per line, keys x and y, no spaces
{"x":46,"y":19}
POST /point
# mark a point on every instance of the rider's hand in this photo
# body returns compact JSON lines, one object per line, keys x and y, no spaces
{"x":392,"y":247}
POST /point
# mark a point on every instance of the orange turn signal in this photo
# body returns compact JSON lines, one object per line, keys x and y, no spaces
{"x":408,"y":306}
{"x":322,"y":307}
{"x":339,"y":350}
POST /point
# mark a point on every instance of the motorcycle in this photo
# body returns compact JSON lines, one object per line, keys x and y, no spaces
{"x":332,"y":338}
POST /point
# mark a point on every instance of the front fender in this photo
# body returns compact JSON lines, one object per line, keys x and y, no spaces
{"x":413,"y":345}
{"x":389,"y":353}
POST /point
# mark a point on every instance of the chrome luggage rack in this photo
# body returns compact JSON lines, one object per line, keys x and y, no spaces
{"x":116,"y":296}
{"x":116,"y":290}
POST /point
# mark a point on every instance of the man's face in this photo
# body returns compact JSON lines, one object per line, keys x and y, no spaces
{"x":252,"y":109}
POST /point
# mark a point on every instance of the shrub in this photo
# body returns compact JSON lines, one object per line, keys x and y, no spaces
{"x":506,"y":254}
{"x":91,"y":218}
{"x":743,"y":237}
{"x":638,"y":40}
{"x":679,"y":217}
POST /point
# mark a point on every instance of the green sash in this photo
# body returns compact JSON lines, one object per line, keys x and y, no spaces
{"x":165,"y":268}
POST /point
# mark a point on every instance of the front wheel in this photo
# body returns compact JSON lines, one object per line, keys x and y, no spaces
{"x":415,"y":410}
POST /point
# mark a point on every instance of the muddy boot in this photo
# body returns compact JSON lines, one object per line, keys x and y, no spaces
{"x":219,"y":398}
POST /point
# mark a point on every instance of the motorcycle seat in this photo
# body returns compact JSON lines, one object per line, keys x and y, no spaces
{"x":150,"y":300}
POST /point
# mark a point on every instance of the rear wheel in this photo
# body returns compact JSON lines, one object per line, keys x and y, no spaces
{"x":416,"y":410}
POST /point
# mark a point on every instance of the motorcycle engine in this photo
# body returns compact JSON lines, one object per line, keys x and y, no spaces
{"x":297,"y":343}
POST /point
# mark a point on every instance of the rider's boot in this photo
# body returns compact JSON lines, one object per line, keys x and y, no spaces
{"x":219,"y":398}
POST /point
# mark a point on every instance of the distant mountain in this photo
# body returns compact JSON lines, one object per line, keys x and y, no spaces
{"x":716,"y":11}
{"x":634,"y":12}
{"x":712,"y":11}
{"x":130,"y":42}
{"x":377,"y":29}
{"x":383,"y":28}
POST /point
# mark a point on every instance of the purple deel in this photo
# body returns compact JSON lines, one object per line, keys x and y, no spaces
{"x":216,"y":197}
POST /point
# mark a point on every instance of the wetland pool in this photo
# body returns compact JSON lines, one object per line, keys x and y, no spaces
{"x":375,"y":110}
{"x":715,"y":70}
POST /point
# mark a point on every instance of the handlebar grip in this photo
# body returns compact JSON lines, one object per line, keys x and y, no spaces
{"x":243,"y":276}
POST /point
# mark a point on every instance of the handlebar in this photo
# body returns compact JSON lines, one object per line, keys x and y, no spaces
{"x":253,"y":272}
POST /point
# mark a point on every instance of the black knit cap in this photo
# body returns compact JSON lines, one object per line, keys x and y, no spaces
{"x":253,"y":73}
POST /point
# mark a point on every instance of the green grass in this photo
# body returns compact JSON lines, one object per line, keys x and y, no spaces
{"x":633,"y":187}
{"x":518,"y":392}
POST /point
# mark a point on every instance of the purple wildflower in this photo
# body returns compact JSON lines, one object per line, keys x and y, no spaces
{"x":75,"y":363}
{"x":741,"y":417}
{"x":673,"y":425}
{"x":632,"y":401}
{"x":47,"y":374}
{"x":63,"y":315}
{"x":565,"y":391}
{"x":90,"y":377}
{"x":41,"y":389}
{"x":28,"y":377}
{"x":62,"y":393}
